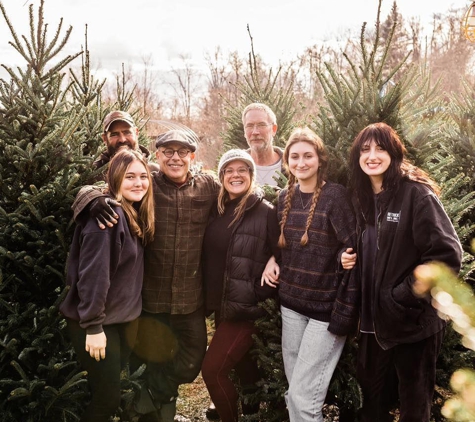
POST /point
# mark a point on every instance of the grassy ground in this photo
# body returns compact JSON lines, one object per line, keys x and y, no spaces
{"x":193,"y":398}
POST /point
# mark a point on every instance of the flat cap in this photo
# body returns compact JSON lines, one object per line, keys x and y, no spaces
{"x":178,"y":136}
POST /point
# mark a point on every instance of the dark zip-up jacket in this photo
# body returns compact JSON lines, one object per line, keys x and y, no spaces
{"x":413,"y":229}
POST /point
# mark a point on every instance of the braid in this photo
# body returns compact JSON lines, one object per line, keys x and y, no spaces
{"x":311,"y":212}
{"x":303,"y":134}
{"x":285,"y":212}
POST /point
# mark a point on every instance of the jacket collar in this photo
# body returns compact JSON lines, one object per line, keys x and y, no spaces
{"x":190,"y":180}
{"x":365,"y":212}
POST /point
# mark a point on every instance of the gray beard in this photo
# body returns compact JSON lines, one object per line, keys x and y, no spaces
{"x":259,"y":149}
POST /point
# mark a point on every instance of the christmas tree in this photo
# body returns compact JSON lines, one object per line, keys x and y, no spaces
{"x":48,"y":137}
{"x":260,"y":86}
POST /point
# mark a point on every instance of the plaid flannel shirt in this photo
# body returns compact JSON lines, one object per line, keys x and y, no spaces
{"x":172,"y":278}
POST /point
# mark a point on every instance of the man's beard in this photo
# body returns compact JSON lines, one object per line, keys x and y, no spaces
{"x":113,"y":150}
{"x":259,"y":145}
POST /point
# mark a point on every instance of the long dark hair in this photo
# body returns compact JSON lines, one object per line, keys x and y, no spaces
{"x":387,"y":138}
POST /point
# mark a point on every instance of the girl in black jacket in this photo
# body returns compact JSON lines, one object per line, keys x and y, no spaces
{"x":401,"y":224}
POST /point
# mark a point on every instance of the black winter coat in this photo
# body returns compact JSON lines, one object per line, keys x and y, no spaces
{"x":248,"y":252}
{"x":413,"y":229}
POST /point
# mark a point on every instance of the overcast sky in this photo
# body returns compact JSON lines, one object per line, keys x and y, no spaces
{"x":127,"y":31}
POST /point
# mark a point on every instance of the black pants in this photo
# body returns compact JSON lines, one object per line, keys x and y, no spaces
{"x":410,"y":368}
{"x":173,"y":347}
{"x":104,"y":376}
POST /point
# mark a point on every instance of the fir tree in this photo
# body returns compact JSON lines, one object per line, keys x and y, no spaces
{"x":454,"y":299}
{"x":453,"y":162}
{"x":268,"y":352}
{"x":45,"y":133}
{"x":262,"y":87}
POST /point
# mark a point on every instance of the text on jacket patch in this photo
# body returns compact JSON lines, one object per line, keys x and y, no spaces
{"x":393,"y":217}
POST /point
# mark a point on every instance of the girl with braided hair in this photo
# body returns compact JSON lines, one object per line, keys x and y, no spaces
{"x":319,"y":300}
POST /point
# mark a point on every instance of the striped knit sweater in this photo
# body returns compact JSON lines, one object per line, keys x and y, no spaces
{"x":312,"y":281}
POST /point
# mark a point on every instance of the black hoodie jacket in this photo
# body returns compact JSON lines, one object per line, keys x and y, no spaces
{"x":413,"y":229}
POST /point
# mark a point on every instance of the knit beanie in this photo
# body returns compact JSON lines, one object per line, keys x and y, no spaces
{"x":233,"y":155}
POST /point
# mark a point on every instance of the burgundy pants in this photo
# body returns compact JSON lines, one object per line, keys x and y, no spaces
{"x":229,"y":349}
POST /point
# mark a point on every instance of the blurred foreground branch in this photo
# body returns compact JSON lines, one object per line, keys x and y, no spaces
{"x":453,"y":299}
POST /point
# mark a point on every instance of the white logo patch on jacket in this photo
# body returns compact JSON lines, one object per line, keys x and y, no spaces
{"x":393,"y":217}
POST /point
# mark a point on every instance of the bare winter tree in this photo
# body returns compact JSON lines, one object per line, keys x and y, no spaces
{"x":450,"y":54}
{"x":146,"y":92}
{"x":188,"y":80}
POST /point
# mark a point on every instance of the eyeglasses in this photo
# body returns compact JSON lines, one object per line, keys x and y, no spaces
{"x":169,"y":153}
{"x":241,"y":171}
{"x":259,"y":126}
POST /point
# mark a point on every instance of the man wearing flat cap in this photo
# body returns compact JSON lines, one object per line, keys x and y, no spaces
{"x":172,"y":335}
{"x":172,"y":293}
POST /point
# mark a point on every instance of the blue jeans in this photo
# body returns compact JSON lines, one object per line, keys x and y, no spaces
{"x":310,"y":354}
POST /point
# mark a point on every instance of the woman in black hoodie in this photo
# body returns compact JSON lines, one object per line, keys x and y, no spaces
{"x":401,"y":224}
{"x":105,"y":273}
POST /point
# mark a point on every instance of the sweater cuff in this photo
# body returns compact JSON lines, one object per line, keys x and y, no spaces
{"x":94,"y":329}
{"x":341,"y":327}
